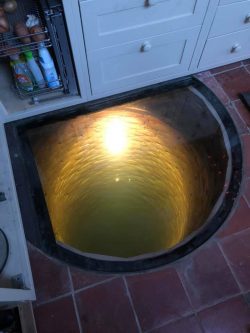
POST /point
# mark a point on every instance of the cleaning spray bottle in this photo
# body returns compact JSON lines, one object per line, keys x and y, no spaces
{"x":22,"y":74}
{"x":35,"y":70}
{"x":48,"y":67}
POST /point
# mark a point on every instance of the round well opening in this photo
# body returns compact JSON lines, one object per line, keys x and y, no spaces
{"x":135,"y":180}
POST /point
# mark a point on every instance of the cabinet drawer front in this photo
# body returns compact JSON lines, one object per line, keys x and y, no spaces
{"x":133,"y":64}
{"x":226,"y":48}
{"x":231,"y":18}
{"x":109,"y":22}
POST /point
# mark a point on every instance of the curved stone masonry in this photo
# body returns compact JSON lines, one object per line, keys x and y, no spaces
{"x":134,"y":179}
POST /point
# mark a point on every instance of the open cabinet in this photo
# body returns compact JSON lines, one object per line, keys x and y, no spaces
{"x":16,"y":284}
{"x":53,"y":35}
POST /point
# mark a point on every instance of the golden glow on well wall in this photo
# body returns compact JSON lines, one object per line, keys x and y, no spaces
{"x":122,"y":182}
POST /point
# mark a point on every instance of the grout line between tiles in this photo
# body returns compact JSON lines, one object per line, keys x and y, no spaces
{"x":51,"y":300}
{"x":196,"y":312}
{"x":221,"y":300}
{"x":230,"y":267}
{"x":198,"y":319}
{"x":227,"y":70}
{"x":185,"y":289}
{"x":238,"y":233}
{"x":237,"y":112}
{"x":168,"y":322}
{"x":247,"y":200}
{"x":247,"y":69}
{"x":222,"y":89}
{"x":132,"y":305}
{"x":188,"y":313}
{"x":242,"y":126}
{"x":74,"y":301}
{"x":95,"y":284}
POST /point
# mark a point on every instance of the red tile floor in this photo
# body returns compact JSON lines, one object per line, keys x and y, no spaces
{"x":205,"y":292}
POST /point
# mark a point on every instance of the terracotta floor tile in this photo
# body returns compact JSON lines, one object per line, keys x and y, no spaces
{"x":246,"y":152}
{"x":203,"y":75}
{"x":243,"y":111}
{"x":238,"y":121}
{"x":56,"y":317}
{"x":247,"y":67}
{"x":50,"y":277}
{"x":237,"y":250}
{"x":185,"y":325}
{"x":81,"y":278}
{"x":247,"y":196}
{"x":232,"y":316}
{"x":158,"y":297}
{"x":238,"y":221}
{"x":226,"y":68}
{"x":207,"y":276}
{"x":235,"y":82}
{"x":213,"y":84}
{"x":106,"y":309}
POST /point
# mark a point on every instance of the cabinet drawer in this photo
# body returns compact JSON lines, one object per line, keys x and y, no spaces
{"x":109,"y":22}
{"x":134,"y":64}
{"x":231,"y":18}
{"x":226,"y":48}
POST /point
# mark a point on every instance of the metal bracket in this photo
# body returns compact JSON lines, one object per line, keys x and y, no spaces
{"x":53,"y":12}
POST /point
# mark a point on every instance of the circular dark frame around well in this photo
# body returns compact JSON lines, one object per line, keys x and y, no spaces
{"x":35,"y":216}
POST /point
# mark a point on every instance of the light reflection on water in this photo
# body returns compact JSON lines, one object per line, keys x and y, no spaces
{"x":123,"y":182}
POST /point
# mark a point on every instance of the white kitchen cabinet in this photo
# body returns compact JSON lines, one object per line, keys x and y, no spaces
{"x":117,"y":31}
{"x":228,"y":48}
{"x":141,"y":61}
{"x":181,"y":37}
{"x":107,"y":38}
{"x":111,"y":22}
{"x":229,"y":37}
{"x":231,"y":18}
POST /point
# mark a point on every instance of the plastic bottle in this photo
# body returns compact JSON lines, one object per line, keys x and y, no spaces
{"x":35,"y":70}
{"x":48,"y":67}
{"x":22,"y":74}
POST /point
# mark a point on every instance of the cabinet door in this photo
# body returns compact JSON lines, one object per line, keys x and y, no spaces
{"x":110,"y":22}
{"x":135,"y":64}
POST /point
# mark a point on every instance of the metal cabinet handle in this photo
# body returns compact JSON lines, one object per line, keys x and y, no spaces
{"x":236,"y":48}
{"x":247,"y":19}
{"x":149,"y":3}
{"x":146,"y":46}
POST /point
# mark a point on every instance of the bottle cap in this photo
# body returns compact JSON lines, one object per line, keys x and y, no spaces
{"x":28,"y":55}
